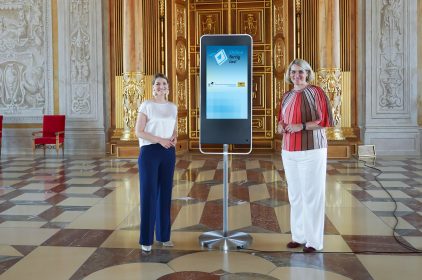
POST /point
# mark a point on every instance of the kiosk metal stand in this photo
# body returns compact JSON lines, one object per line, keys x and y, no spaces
{"x":225,"y":240}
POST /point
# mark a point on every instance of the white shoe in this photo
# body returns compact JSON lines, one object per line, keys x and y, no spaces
{"x":146,"y":248}
{"x":168,"y":244}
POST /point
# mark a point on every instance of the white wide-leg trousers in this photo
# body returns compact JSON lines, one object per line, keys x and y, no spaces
{"x":306,"y":172}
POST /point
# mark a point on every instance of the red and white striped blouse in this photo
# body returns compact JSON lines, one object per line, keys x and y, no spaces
{"x":310,"y":104}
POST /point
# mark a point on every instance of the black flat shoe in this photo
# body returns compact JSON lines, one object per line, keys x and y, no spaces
{"x":309,"y":249}
{"x":293,"y":245}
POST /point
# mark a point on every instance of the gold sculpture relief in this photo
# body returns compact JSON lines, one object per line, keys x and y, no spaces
{"x":279,"y":55}
{"x":180,"y":22}
{"x":278,"y":20}
{"x":348,"y":132}
{"x":180,"y":58}
{"x":133,"y":94}
{"x":208,"y":25}
{"x":298,"y":6}
{"x":181,"y":95}
{"x":329,"y":79}
{"x":279,"y":89}
{"x":250,"y":25}
{"x":162,"y":8}
{"x":182,"y":126}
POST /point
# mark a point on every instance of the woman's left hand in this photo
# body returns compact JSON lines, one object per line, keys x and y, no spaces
{"x":292,"y":128}
{"x":174,"y":140}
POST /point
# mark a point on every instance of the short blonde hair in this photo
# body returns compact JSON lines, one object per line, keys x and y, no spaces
{"x":301,"y":63}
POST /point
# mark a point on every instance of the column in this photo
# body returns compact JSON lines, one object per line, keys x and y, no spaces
{"x":329,"y":72}
{"x":133,"y":72}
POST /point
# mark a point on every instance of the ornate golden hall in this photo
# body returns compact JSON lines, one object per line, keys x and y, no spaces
{"x":76,"y":215}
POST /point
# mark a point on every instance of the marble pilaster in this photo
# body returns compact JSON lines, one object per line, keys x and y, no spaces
{"x":388,"y":78}
{"x":81,"y":75}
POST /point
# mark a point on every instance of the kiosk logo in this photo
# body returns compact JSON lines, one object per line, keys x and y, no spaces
{"x":220,"y":57}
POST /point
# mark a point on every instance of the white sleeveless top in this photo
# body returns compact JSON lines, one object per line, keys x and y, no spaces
{"x":161,"y":119}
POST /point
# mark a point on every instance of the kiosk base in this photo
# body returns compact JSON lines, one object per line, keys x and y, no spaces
{"x":229,"y":241}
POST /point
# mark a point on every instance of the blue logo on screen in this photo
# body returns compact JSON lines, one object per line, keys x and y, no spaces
{"x":220,"y":57}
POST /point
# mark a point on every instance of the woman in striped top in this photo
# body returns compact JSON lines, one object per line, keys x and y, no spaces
{"x":305,"y":111}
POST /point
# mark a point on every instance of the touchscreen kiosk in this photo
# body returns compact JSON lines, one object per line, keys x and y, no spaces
{"x":225,"y":72}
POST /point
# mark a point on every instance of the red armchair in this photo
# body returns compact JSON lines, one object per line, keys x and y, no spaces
{"x":1,"y":129}
{"x":53,"y":127}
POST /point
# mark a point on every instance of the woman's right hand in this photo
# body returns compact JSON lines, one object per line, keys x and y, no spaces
{"x":166,"y":143}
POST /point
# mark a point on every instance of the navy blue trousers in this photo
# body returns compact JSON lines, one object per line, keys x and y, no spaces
{"x":156,"y":170}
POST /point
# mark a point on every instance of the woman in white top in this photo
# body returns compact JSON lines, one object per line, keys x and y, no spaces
{"x":156,"y":130}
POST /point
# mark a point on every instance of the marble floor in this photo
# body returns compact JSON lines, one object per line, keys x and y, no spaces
{"x":78,"y":218}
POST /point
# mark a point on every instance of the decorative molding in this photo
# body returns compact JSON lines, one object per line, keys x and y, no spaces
{"x":80,"y":57}
{"x":298,"y":6}
{"x":162,"y":8}
{"x":180,"y":21}
{"x":391,"y":57}
{"x":182,"y":126}
{"x":80,"y":60}
{"x":389,"y":76}
{"x":208,"y":24}
{"x":279,"y":56}
{"x":329,"y":79}
{"x":81,"y":74}
{"x":133,"y":94}
{"x":181,"y":58}
{"x":278,"y":19}
{"x":26,"y":76}
{"x":181,"y":91}
{"x":250,"y":24}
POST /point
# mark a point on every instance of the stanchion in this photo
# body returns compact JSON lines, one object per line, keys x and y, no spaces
{"x":225,"y":240}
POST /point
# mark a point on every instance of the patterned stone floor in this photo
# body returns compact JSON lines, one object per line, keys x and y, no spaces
{"x":78,"y":218}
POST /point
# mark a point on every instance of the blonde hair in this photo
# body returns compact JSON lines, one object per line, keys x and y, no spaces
{"x":303,"y":64}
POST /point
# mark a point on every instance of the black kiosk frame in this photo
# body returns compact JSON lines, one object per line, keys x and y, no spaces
{"x":225,"y":114}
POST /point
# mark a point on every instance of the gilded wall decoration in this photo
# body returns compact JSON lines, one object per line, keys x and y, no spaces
{"x":209,"y":24}
{"x":258,"y":91}
{"x":391,"y":71}
{"x":133,"y":94}
{"x":162,"y":8}
{"x":298,"y":6}
{"x":279,"y":90}
{"x":250,"y":24}
{"x":251,"y":17}
{"x":278,"y":20}
{"x":330,"y":82}
{"x":25,"y":60}
{"x":181,"y":58}
{"x":258,"y":58}
{"x":279,"y":56}
{"x":181,"y":94}
{"x":180,"y":21}
{"x":258,"y":123}
{"x":182,"y":126}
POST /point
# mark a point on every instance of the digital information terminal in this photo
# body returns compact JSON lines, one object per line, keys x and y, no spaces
{"x":226,"y":109}
{"x":226,"y":115}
